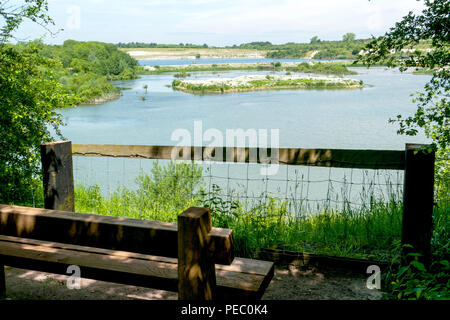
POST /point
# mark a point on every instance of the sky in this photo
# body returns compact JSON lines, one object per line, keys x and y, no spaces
{"x":217,"y":22}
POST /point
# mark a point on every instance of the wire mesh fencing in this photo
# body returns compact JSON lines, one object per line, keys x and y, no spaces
{"x":337,"y":211}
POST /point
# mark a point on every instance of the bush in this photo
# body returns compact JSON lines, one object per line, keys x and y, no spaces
{"x":29,"y":94}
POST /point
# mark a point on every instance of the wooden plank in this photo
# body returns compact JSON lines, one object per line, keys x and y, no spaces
{"x":57,"y":170}
{"x":116,"y":233}
{"x":250,"y":266}
{"x":342,"y":158}
{"x":239,"y":265}
{"x":418,"y":200}
{"x":196,"y":272}
{"x":108,"y":266}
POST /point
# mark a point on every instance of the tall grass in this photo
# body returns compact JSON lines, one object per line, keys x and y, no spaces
{"x":371,"y":231}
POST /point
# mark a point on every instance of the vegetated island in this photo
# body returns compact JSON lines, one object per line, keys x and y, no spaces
{"x":261,"y":82}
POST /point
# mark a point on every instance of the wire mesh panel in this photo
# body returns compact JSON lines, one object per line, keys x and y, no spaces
{"x":340,"y":211}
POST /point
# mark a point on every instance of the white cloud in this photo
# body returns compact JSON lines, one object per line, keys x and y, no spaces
{"x":231,"y":21}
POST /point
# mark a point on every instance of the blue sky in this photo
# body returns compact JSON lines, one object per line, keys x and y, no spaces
{"x":218,"y":22}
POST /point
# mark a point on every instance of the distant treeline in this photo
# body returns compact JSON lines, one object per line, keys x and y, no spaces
{"x":86,"y":68}
{"x":326,"y":49}
{"x":160,"y":45}
{"x":347,"y":48}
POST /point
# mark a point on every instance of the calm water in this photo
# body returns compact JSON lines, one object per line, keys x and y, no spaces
{"x":350,"y":119}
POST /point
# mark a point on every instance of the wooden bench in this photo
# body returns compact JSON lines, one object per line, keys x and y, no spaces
{"x":190,"y":256}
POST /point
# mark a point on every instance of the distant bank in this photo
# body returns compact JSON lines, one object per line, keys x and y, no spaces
{"x":192,"y":53}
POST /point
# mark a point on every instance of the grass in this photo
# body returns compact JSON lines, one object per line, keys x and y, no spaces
{"x":370,"y":232}
{"x":263,"y":84}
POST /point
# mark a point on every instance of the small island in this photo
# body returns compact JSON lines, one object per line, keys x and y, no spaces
{"x":264,"y":82}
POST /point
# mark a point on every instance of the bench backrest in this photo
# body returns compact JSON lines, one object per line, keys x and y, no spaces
{"x":115,"y":233}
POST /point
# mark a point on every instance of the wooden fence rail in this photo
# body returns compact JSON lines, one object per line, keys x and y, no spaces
{"x":340,"y":158}
{"x":417,"y":164}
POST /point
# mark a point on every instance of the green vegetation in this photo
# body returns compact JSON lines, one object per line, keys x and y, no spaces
{"x":319,"y":68}
{"x":87,"y":68}
{"x":266,"y":223}
{"x":348,"y":48}
{"x":37,"y":79}
{"x":412,"y":279}
{"x":30,"y":92}
{"x":266,"y":83}
{"x":182,"y":74}
{"x":13,"y":14}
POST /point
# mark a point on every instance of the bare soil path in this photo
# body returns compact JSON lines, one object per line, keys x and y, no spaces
{"x":289,"y":283}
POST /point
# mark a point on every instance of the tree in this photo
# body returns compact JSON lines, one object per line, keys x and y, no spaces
{"x":433,"y":112}
{"x":314,"y":39}
{"x":348,"y":37}
{"x":29,"y":94}
{"x":13,"y":15}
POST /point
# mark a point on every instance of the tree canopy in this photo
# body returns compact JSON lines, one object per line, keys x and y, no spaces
{"x":29,"y":94}
{"x":14,"y":13}
{"x":433,"y":110}
{"x":348,"y":37}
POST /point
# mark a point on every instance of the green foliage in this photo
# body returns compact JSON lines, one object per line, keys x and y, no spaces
{"x":267,"y":83}
{"x":314,"y":39}
{"x":13,"y":14}
{"x":321,"y":68}
{"x":100,"y":58}
{"x":346,"y":49}
{"x":412,"y":280}
{"x":182,"y":74}
{"x":433,"y":112}
{"x":87,"y":67}
{"x":29,"y":94}
{"x":262,"y":223}
{"x":162,"y":195}
{"x":348,"y":37}
{"x":87,"y":86}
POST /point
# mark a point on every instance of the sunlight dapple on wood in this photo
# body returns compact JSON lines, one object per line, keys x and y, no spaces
{"x":130,"y":251}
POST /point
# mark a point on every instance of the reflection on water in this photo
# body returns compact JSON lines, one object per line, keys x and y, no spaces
{"x":347,"y":119}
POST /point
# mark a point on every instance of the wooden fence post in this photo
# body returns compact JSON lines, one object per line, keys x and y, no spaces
{"x":418,"y":203}
{"x":58,"y":175}
{"x":196,"y":270}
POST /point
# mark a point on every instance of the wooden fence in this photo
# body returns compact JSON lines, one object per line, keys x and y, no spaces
{"x":418,"y":166}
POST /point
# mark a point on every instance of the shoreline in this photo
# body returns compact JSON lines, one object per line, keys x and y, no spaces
{"x":103,"y":99}
{"x":259,"y":82}
{"x":265,"y":89}
{"x":326,"y":67}
{"x":143,"y":57}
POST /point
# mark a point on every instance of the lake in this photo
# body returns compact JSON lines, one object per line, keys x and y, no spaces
{"x":347,"y":119}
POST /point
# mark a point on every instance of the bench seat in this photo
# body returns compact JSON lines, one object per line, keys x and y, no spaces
{"x":243,"y":279}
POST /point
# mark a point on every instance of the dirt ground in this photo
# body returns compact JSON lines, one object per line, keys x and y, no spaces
{"x":290,"y":282}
